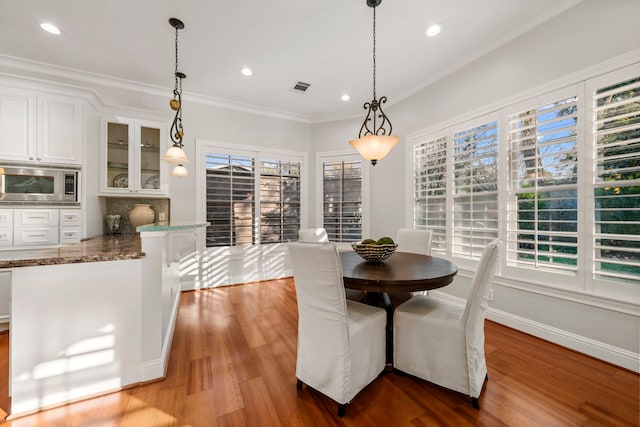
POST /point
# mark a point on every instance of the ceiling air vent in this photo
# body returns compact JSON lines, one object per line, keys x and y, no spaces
{"x":301,"y":87}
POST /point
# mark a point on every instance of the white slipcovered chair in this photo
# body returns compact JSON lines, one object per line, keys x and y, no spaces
{"x":414,"y":241}
{"x":312,"y":235}
{"x":443,"y":342}
{"x":341,"y":343}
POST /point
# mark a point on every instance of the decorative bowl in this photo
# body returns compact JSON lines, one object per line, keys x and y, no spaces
{"x":374,"y":253}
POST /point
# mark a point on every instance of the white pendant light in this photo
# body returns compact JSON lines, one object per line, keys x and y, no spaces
{"x":179,"y":170}
{"x":375,"y":142}
{"x":175,"y":154}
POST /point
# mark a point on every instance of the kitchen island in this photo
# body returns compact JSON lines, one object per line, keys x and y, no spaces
{"x":93,"y":317}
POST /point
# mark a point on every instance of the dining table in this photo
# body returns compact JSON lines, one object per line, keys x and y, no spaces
{"x":400,"y":274}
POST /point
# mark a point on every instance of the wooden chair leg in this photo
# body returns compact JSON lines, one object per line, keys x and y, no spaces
{"x":341,"y":410}
{"x":298,"y":384}
{"x":474,"y":403}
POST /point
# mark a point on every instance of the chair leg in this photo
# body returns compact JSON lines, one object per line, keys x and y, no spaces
{"x":474,"y":403}
{"x":341,"y":410}
{"x":298,"y":384}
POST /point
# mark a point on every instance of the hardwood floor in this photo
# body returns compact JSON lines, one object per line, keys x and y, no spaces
{"x":233,"y":364}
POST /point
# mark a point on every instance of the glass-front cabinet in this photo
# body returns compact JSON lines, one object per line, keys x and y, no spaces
{"x":131,"y":160}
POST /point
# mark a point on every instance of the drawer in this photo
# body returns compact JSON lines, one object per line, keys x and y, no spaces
{"x":70,"y":217}
{"x":6,"y":217}
{"x":6,"y":237}
{"x":41,"y":217}
{"x":69,"y":234}
{"x":35,"y":236}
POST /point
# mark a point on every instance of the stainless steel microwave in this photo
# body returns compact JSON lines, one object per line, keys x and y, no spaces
{"x":39,"y":184}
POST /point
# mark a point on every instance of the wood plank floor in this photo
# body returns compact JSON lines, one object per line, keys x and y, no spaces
{"x":233,"y":364}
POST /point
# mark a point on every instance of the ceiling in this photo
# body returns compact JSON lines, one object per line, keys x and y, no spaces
{"x":325,"y":43}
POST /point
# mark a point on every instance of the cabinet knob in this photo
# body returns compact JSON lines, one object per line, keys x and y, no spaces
{"x":30,"y":158}
{"x":38,"y":159}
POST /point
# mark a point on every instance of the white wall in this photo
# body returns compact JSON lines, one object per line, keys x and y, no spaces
{"x":590,"y":33}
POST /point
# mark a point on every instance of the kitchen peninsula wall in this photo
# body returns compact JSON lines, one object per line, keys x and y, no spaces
{"x":122,"y":205}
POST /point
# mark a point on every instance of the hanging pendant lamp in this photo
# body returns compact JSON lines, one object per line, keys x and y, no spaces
{"x":375,"y":140}
{"x":175,"y":154}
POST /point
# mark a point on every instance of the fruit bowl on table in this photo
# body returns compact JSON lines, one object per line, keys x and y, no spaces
{"x":373,"y":252}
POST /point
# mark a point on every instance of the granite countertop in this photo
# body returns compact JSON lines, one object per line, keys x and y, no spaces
{"x":102,"y":248}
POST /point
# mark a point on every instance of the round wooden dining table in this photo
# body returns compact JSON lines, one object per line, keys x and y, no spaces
{"x":400,"y":273}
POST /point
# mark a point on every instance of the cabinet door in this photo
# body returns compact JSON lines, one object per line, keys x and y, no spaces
{"x":17,"y":125}
{"x":151,"y":137}
{"x":6,"y":237}
{"x":118,"y":158}
{"x":60,"y":136}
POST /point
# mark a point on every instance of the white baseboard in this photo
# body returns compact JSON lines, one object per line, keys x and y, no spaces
{"x":597,"y":349}
{"x":614,"y":355}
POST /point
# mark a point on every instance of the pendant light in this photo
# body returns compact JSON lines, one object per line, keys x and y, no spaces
{"x":375,"y":141}
{"x":175,"y":154}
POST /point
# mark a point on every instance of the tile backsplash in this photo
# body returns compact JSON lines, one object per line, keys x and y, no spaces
{"x":121,"y":206}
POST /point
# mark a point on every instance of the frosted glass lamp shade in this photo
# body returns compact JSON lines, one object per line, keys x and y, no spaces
{"x":175,"y":155}
{"x":375,"y":147}
{"x":179,"y":170}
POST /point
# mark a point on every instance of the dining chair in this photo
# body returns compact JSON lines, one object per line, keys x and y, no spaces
{"x":312,"y":235}
{"x":341,"y":343}
{"x":443,"y":342}
{"x":416,"y":241}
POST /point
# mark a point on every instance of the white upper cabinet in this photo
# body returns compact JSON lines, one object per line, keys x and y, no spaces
{"x":60,"y":130}
{"x":17,"y":124}
{"x":131,"y":155}
{"x":40,"y":128}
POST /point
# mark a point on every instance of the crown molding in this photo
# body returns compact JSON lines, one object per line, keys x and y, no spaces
{"x":57,"y":71}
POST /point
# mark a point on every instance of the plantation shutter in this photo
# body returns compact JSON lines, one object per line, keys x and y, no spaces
{"x":542,"y":222}
{"x":279,"y":201}
{"x":475,"y":193}
{"x":230,"y":183}
{"x":342,"y":200}
{"x":617,"y":186}
{"x":430,"y":190}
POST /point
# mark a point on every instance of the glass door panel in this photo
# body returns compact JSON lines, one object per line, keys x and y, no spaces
{"x":149,"y":158}
{"x":117,"y":155}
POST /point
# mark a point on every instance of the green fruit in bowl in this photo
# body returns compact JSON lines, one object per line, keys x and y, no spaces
{"x":385,"y":241}
{"x":368,"y":242}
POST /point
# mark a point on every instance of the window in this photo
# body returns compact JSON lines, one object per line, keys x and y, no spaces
{"x":455,"y":178}
{"x":279,"y":201}
{"x":617,"y":182}
{"x":475,"y":189}
{"x":430,"y":190}
{"x":250,"y":199}
{"x":342,"y":199}
{"x":230,"y":199}
{"x":556,"y":177}
{"x":542,"y":226}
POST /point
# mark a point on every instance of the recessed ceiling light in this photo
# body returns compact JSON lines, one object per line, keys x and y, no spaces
{"x":433,"y":30}
{"x":246,"y":71}
{"x":345,"y":97}
{"x":50,"y":28}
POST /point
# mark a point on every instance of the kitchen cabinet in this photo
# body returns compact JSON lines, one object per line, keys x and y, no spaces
{"x":70,"y":225}
{"x":40,"y":128}
{"x":6,"y":227}
{"x":131,"y":159}
{"x":35,"y":227}
{"x":39,"y":227}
